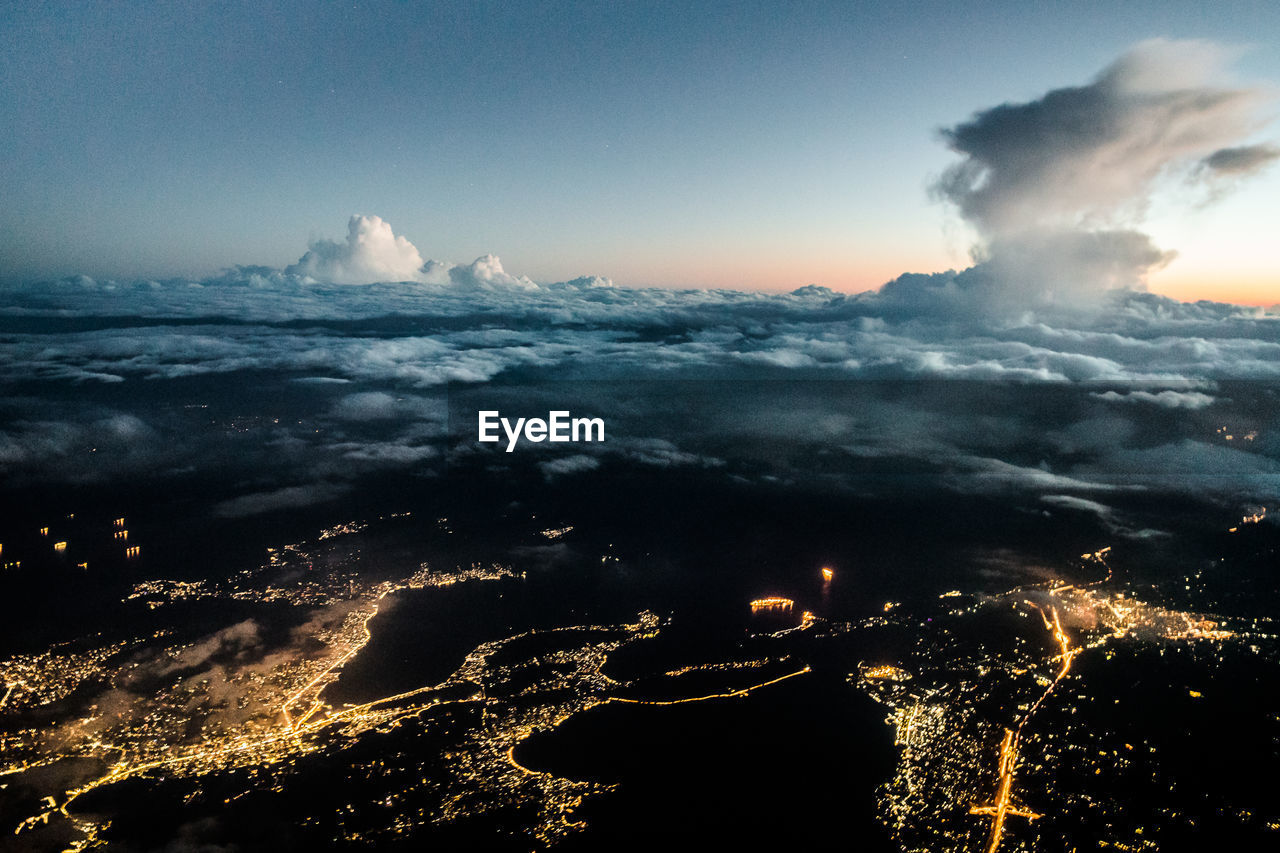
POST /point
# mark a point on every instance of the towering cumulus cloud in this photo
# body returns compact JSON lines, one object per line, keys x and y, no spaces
{"x":371,"y":253}
{"x":374,"y":253}
{"x":1055,"y":186}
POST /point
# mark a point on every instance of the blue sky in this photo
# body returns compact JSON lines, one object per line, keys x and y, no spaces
{"x":750,"y":145}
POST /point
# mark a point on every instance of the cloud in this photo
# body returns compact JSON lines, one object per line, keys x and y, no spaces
{"x":486,"y":272}
{"x":1088,"y":154}
{"x":1064,"y":265}
{"x":919,"y":326}
{"x":381,"y":406}
{"x":1082,"y":504}
{"x":1054,"y":186}
{"x":365,"y":406}
{"x":1244,"y":160}
{"x":384,"y":453}
{"x":241,"y":640}
{"x":371,"y":253}
{"x":374,"y":254}
{"x":1167,"y":398}
{"x":1105,"y":514}
{"x":1194,"y":467}
{"x":1047,"y":182}
{"x":661,"y":453}
{"x":289,"y":497}
{"x":563,"y":465}
{"x":986,"y":473}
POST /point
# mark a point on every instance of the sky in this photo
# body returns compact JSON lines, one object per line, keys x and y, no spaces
{"x":744,"y":145}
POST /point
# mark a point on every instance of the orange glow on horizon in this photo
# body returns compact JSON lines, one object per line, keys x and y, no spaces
{"x":1254,"y":295}
{"x":1258,"y":290}
{"x":1192,"y":282}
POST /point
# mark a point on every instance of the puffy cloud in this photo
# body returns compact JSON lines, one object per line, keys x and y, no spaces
{"x":437,"y":336}
{"x":1053,"y":301}
{"x":1046,"y":182}
{"x":1063,"y":266}
{"x":487,"y":271}
{"x":587,"y":281}
{"x":372,"y":253}
{"x":1091,"y":153}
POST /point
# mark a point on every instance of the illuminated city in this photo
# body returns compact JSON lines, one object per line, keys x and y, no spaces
{"x":939,"y":352}
{"x":955,"y":761}
{"x":966,"y":778}
{"x":270,"y":711}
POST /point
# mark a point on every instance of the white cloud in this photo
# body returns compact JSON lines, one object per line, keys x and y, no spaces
{"x":487,"y":272}
{"x":1002,"y":475}
{"x":372,"y":253}
{"x":1090,"y":154}
{"x":1055,"y":185}
{"x":563,"y":465}
{"x":1082,"y":504}
{"x":448,"y":336}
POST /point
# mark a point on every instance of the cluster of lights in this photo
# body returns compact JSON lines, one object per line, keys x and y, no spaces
{"x":1226,"y":434}
{"x":1253,"y":517}
{"x":945,"y":741}
{"x":773,"y":603}
{"x":266,"y":713}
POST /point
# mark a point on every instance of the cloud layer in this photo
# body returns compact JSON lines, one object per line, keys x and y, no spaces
{"x":350,"y":378}
{"x":374,"y":253}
